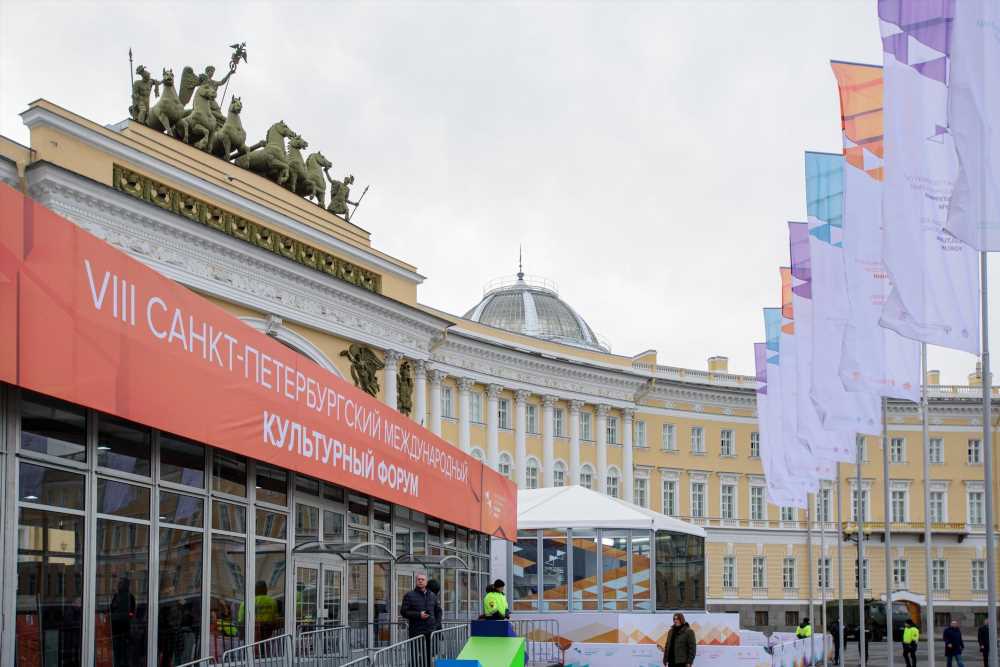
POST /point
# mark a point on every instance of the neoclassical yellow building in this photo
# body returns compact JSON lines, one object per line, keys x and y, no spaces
{"x":520,"y":380}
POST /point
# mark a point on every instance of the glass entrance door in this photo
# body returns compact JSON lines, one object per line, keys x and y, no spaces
{"x":333,"y":596}
{"x":319,"y":595}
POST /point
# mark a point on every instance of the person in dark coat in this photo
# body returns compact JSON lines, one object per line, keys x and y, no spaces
{"x":953,"y":644}
{"x":421,"y":610}
{"x":833,"y":627}
{"x":984,"y":641}
{"x":434,"y":586}
{"x":681,"y":644}
{"x":868,"y":640}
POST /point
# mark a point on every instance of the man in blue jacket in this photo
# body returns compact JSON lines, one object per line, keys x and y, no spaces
{"x":421,"y":610}
{"x":953,"y":644}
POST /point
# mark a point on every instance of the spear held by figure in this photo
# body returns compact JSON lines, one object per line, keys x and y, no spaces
{"x":239,"y":53}
{"x":357,"y":204}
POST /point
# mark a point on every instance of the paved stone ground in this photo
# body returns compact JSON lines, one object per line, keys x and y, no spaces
{"x":878,"y":657}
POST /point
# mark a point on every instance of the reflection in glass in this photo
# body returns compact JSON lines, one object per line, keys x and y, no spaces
{"x":357,"y":594}
{"x":306,"y":524}
{"x":614,"y":569}
{"x":272,"y":485}
{"x":229,"y":473}
{"x":178,"y":637}
{"x":123,"y":446}
{"x":333,"y":596}
{"x":49,"y":589}
{"x":584,"y":570}
{"x":680,"y":571}
{"x":333,"y":527}
{"x":525,"y":588}
{"x":269,"y":591}
{"x":272,"y":524}
{"x":180,"y":509}
{"x":381,"y":517}
{"x":122,"y":499}
{"x":182,"y":461}
{"x":449,"y":601}
{"x":230,"y":517}
{"x":49,"y":486}
{"x":357,"y":510}
{"x":49,"y":426}
{"x":380,"y":592}
{"x":641,"y":557}
{"x":307,"y":486}
{"x":122,"y":593}
{"x":228,"y":583}
{"x":554,"y":574}
{"x":306,"y":598}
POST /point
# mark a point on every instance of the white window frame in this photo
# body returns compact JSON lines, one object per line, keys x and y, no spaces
{"x":731,"y":490}
{"x":587,"y":476}
{"x":974,"y":452}
{"x":787,"y":514}
{"x":612,"y":429}
{"x":939,"y":575}
{"x":447,"y":404}
{"x":699,"y":492}
{"x":476,"y":407}
{"x":613,"y":482}
{"x":977,"y":574}
{"x":727,"y":442}
{"x":478,"y":454}
{"x":939,"y":505}
{"x":865,"y":504}
{"x":899,"y":505}
{"x":559,"y":423}
{"x":639,"y":436}
{"x":823,"y":572}
{"x":531,"y":418}
{"x":758,"y":572}
{"x":900,"y":573}
{"x":558,"y":474}
{"x":897,"y":450}
{"x":936,"y":450}
{"x":532,"y":473}
{"x":788,"y":573}
{"x":640,"y":491}
{"x":503,"y":413}
{"x":729,"y":572}
{"x":505,"y":465}
{"x":668,"y":438}
{"x":824,"y":505}
{"x":758,"y":505}
{"x":586,"y":419}
{"x":977,"y":518}
{"x":754,"y":444}
{"x":669,"y":498}
{"x":697,"y":440}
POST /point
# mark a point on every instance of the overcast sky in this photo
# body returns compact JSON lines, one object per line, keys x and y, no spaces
{"x":646,"y":156}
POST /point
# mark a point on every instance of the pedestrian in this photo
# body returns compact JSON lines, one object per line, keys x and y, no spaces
{"x":421,"y":610}
{"x":495,"y":606}
{"x":953,"y":644}
{"x":434,"y":586}
{"x":805,"y":629}
{"x":868,"y":640}
{"x":833,"y":627}
{"x":984,"y":642}
{"x":911,"y":635}
{"x":681,"y":644}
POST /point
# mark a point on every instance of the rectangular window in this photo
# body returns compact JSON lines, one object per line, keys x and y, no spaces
{"x":759,"y":571}
{"x":788,"y":514}
{"x":697,"y":439}
{"x":757,"y":503}
{"x":728,"y":501}
{"x":726,"y":442}
{"x":936,"y":450}
{"x":585,"y":421}
{"x":979,"y":575}
{"x":476,"y":407}
{"x":937,"y":506}
{"x":975,"y":452}
{"x":729,"y":572}
{"x":123,"y":446}
{"x":447,"y":406}
{"x":897,"y":450}
{"x":668,"y":438}
{"x":669,"y":497}
{"x":640,"y":433}
{"x":560,"y":425}
{"x":760,"y":618}
{"x":641,"y":492}
{"x":180,"y":574}
{"x":863,"y":498}
{"x":182,"y":461}
{"x":976,"y":508}
{"x":939,"y":575}
{"x":49,"y":426}
{"x":503,"y":412}
{"x":532,"y":421}
{"x":823,"y":573}
{"x":898,"y":506}
{"x":788,"y":573}
{"x":823,"y":505}
{"x":227,"y":590}
{"x":899,"y":573}
{"x":698,"y":499}
{"x":792,"y":619}
{"x":754,"y":445}
{"x":864,"y":574}
{"x":612,"y":430}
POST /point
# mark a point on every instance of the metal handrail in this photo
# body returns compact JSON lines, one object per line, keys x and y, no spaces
{"x":325,"y":647}
{"x":541,"y":640}
{"x":363,"y":661}
{"x":447,"y":643}
{"x":271,"y":652}
{"x":409,"y":653}
{"x":197,"y":663}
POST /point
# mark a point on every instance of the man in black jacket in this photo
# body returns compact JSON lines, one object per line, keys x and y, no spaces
{"x":984,"y":641}
{"x":421,"y":610}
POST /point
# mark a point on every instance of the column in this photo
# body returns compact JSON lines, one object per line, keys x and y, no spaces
{"x":602,"y":448}
{"x":629,"y":472}
{"x":390,"y":391}
{"x":436,"y":378}
{"x":574,"y":442}
{"x":419,"y":391}
{"x":520,"y":435}
{"x":548,"y":446}
{"x":464,"y":412}
{"x":492,"y":426}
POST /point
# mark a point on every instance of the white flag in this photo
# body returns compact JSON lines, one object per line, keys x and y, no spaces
{"x":874,"y":360}
{"x":935,"y":276}
{"x":838,"y":409}
{"x":973,"y":106}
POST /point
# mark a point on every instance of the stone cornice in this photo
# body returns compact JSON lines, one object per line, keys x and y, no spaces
{"x":8,"y":173}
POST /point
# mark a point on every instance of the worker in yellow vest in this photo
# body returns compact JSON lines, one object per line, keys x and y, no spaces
{"x":804,"y":631}
{"x":265,"y":609}
{"x":911,"y":635}
{"x":495,"y":602}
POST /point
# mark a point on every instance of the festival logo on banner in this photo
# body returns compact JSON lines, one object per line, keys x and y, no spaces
{"x":95,"y":327}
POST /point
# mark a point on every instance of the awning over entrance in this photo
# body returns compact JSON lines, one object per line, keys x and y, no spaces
{"x":366,"y":551}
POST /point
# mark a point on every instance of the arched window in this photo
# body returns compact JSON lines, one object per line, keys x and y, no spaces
{"x":559,"y":474}
{"x":613,"y":482}
{"x":586,"y":476}
{"x":506,"y":465}
{"x":531,"y":473}
{"x":477,"y":454}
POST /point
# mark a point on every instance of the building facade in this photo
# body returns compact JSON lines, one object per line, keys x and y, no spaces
{"x":520,"y":381}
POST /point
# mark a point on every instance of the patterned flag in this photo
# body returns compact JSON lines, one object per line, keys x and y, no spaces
{"x":973,"y":105}
{"x":838,"y":409}
{"x":935,"y":276}
{"x":874,"y":360}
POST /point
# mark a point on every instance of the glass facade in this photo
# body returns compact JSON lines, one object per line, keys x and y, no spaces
{"x":138,"y":547}
{"x":610,"y":570}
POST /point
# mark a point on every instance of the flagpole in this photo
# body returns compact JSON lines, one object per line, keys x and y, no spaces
{"x":840,"y":573}
{"x":859,"y":517}
{"x":927,"y":508}
{"x":809,"y":557}
{"x":887,"y":521}
{"x":823,"y":570}
{"x":991,"y":581}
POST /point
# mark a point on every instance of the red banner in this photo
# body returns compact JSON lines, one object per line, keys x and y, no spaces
{"x":84,"y":322}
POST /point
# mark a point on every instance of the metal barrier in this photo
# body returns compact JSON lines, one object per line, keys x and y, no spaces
{"x":410,"y":653}
{"x":541,"y":640}
{"x":272,"y":652}
{"x":197,"y":663}
{"x":328,"y":647}
{"x":363,"y":661}
{"x":448,"y":643}
{"x":377,"y":635}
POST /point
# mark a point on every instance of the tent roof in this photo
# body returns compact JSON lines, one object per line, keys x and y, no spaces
{"x":577,"y":507}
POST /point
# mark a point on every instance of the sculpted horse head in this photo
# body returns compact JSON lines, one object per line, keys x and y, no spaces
{"x":168,"y":77}
{"x":319,"y":160}
{"x":235,"y":105}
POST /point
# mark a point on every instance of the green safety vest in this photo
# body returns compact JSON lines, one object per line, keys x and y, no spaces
{"x":911,"y":635}
{"x":804,"y":632}
{"x":265,"y":609}
{"x":495,"y":602}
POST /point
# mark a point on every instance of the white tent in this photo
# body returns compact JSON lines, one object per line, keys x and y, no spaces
{"x":577,"y":507}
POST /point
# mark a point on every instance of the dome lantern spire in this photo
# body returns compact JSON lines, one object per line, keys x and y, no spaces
{"x":520,"y":264}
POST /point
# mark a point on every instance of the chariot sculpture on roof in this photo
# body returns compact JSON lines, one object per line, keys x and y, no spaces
{"x":278,"y":157}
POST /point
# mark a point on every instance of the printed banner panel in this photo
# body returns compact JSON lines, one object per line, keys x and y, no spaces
{"x":639,"y":655}
{"x":628,"y":628}
{"x":93,"y":326}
